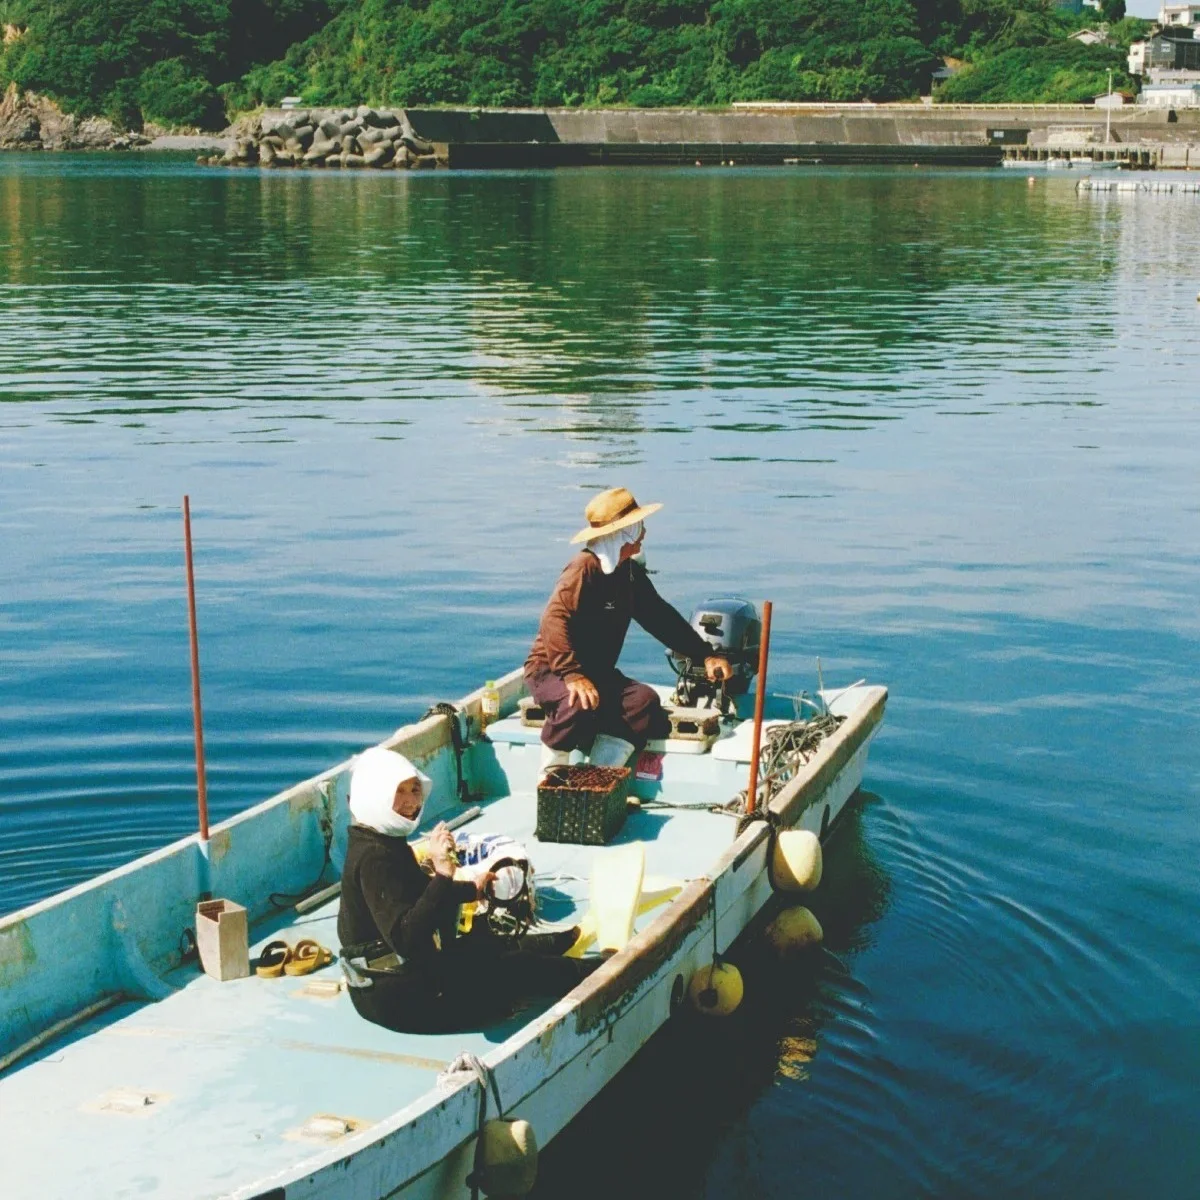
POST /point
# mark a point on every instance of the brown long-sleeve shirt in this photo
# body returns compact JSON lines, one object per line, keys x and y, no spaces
{"x":588,"y":615}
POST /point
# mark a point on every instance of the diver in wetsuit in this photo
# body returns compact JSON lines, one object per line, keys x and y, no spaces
{"x":405,"y":968}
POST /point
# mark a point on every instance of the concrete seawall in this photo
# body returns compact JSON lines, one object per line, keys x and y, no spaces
{"x":953,"y":134}
{"x":968,"y":136}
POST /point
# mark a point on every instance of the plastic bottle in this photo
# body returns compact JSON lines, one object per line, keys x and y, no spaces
{"x":489,"y":704}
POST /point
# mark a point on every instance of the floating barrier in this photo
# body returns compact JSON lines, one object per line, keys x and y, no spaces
{"x":717,"y":990}
{"x":508,"y":1159}
{"x":795,"y":929}
{"x":796,"y":861}
{"x":1158,"y":187}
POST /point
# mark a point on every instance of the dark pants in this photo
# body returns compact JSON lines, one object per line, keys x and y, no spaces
{"x":479,"y":980}
{"x":628,"y":710}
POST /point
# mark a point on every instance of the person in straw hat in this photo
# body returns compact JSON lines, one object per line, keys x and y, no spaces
{"x":572,"y":671}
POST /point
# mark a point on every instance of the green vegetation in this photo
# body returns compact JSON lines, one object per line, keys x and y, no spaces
{"x":148,"y":59}
{"x":1033,"y":59}
{"x":642,"y":52}
{"x":1053,"y":74}
{"x":193,"y":62}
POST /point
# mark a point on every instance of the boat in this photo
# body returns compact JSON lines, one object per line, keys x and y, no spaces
{"x":126,"y":1070}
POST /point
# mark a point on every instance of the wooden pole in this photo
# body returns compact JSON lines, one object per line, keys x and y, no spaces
{"x":760,"y":697}
{"x":197,"y":713}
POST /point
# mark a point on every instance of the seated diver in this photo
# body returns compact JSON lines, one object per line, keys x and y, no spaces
{"x":572,"y":671}
{"x":405,"y":968}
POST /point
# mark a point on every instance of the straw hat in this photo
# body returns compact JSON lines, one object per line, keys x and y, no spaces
{"x":610,"y":511}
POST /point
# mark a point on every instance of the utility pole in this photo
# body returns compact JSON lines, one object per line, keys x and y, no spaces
{"x":1108,"y":111}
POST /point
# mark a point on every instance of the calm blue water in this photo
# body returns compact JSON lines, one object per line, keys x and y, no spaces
{"x":946,"y":422}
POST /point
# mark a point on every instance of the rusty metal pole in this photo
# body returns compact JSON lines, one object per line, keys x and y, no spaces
{"x":760,"y":697}
{"x":197,"y":713}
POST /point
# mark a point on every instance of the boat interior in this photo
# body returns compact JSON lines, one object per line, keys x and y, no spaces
{"x":181,"y":1085}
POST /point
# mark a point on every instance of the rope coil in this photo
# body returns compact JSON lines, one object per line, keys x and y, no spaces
{"x":787,"y":749}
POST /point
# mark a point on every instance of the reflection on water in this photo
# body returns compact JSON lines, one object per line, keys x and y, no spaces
{"x":808,"y":296}
{"x":946,"y":422}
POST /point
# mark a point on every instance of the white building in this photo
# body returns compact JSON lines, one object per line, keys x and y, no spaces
{"x":1179,"y":14}
{"x":1163,"y":53}
{"x":1170,"y":95}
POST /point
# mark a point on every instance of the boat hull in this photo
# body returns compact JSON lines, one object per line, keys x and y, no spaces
{"x":561,"y":1062}
{"x":62,"y":1046}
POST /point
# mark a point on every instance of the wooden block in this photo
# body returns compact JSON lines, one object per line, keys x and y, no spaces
{"x":694,"y":724}
{"x":223,"y":939}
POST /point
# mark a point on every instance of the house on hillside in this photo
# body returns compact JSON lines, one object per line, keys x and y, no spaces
{"x":1179,"y":14}
{"x":1164,"y":52}
{"x":1091,"y":37}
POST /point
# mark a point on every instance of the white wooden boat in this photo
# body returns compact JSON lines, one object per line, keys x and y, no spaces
{"x":125,"y":1071}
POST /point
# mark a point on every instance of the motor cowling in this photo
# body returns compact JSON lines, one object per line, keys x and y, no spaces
{"x":730,"y":625}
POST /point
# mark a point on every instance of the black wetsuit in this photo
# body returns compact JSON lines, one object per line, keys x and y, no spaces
{"x":466,"y":982}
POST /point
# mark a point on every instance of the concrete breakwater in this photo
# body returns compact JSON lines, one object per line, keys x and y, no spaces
{"x":960,"y":135}
{"x":364,"y":137}
{"x":951,"y":135}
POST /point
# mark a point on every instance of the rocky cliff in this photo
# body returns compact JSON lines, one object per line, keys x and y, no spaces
{"x":32,"y":122}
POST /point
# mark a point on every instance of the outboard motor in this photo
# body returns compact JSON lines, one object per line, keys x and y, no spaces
{"x":730,"y":625}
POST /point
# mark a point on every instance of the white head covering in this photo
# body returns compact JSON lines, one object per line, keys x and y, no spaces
{"x":608,"y":548}
{"x":377,"y":774}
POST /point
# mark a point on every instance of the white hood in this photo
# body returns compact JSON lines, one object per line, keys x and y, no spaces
{"x":608,"y":549}
{"x":373,"y":782}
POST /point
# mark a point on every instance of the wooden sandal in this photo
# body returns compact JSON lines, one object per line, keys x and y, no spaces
{"x":273,"y":960}
{"x":308,"y":956}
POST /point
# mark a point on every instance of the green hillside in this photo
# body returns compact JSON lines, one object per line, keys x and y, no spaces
{"x":199,"y":62}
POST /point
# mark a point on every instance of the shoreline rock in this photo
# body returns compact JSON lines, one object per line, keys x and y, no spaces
{"x":29,"y":121}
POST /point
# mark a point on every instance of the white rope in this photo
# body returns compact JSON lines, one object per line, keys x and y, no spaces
{"x":471,"y":1064}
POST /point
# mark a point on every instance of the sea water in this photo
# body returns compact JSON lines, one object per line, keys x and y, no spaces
{"x":947,"y":422}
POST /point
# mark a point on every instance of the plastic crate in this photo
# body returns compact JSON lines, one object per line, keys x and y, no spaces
{"x":582,"y":804}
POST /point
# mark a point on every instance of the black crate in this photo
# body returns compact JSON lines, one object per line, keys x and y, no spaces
{"x":582,"y":804}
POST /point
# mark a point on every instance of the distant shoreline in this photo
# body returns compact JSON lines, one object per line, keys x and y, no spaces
{"x":765,"y":133}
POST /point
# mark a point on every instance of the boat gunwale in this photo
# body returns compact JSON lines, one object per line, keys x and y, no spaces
{"x":835,"y":751}
{"x":403,"y":738}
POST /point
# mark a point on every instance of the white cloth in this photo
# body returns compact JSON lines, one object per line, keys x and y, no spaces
{"x":608,"y":548}
{"x":373,"y":782}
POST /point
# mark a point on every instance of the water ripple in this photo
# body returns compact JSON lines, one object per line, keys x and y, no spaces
{"x":947,"y":422}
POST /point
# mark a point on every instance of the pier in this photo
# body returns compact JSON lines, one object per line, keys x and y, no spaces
{"x":1143,"y":157}
{"x":826,"y":134}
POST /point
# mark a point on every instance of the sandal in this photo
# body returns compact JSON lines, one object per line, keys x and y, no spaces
{"x":273,"y":960}
{"x":308,"y":956}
